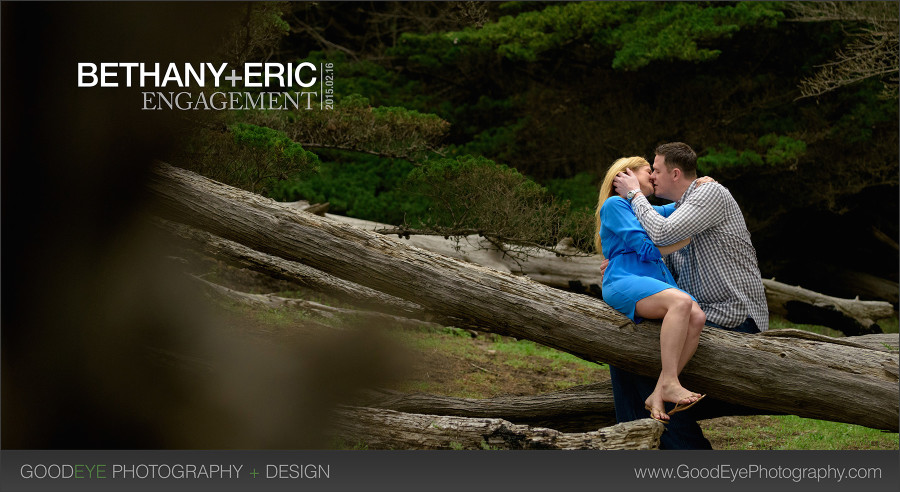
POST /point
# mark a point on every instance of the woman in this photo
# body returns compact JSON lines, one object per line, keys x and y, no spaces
{"x":638,"y":284}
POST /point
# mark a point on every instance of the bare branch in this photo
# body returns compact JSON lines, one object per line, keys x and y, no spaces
{"x":874,"y":53}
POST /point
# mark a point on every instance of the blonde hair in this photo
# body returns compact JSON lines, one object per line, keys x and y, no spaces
{"x":606,"y":189}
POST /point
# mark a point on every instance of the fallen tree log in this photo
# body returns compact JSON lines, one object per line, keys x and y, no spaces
{"x":582,"y":274}
{"x":241,"y":256}
{"x":563,"y":272}
{"x":854,"y":316}
{"x":273,"y":302}
{"x":851,"y":283}
{"x":577,"y":409}
{"x":851,"y":316}
{"x":574,"y":410}
{"x":387,"y":429}
{"x":586,"y":407}
{"x":809,"y":378}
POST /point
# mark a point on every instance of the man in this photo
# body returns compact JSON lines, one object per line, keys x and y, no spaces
{"x":719,"y":268}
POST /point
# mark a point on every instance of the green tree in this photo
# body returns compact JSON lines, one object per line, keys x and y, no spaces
{"x":558,"y":91}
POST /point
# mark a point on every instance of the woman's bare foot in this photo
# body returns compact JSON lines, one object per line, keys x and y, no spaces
{"x":676,"y":393}
{"x":655,"y":405}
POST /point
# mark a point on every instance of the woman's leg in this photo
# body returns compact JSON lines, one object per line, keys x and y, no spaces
{"x":695,"y":325}
{"x":678,"y":339}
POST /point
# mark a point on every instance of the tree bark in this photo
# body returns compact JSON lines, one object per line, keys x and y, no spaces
{"x":850,"y":283}
{"x":582,"y":274}
{"x":387,"y":429}
{"x":577,"y":409}
{"x":586,"y":407}
{"x":804,"y":377}
{"x":851,"y":316}
{"x":272,"y":301}
{"x":573,"y":410}
{"x":241,"y":256}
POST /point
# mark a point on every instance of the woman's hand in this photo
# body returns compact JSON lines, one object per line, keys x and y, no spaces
{"x":704,"y":180}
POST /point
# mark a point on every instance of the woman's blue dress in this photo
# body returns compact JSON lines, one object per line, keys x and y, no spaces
{"x":636,"y":269}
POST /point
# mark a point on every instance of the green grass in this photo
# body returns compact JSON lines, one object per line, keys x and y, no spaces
{"x":339,"y":443}
{"x":889,"y":325}
{"x":275,"y":317}
{"x":783,"y":432}
{"x":776,"y":322}
{"x":427,"y":339}
{"x":527,"y":348}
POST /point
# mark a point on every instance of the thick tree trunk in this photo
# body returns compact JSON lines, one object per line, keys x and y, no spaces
{"x":272,"y":301}
{"x":586,"y":407}
{"x":808,"y":378}
{"x":567,"y":272}
{"x":387,"y":429}
{"x":851,"y":316}
{"x":582,"y":273}
{"x":852,"y":283}
{"x":577,"y":409}
{"x":241,"y":256}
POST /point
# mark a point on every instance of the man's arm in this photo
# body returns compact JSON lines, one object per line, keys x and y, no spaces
{"x":667,"y":250}
{"x":665,"y":210}
{"x":702,"y":210}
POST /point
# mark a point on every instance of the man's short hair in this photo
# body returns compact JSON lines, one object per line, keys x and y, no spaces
{"x":680,"y":155}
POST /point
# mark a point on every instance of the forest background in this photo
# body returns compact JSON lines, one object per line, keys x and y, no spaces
{"x":502,"y":118}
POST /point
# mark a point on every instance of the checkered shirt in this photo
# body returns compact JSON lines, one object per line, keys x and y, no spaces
{"x":719,"y":266}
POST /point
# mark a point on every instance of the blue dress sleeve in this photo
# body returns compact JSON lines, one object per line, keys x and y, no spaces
{"x":665,"y":210}
{"x":616,"y":215}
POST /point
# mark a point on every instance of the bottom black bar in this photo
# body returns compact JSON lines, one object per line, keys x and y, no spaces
{"x":496,"y":471}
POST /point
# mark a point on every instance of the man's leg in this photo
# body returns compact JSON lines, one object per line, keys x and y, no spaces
{"x":748,"y":326}
{"x":629,"y":393}
{"x":683,"y":431}
{"x":630,"y":390}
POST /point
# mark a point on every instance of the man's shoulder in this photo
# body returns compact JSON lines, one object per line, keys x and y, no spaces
{"x":710,"y":192}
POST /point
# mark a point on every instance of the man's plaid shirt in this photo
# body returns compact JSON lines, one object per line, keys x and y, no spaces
{"x":719,"y":266}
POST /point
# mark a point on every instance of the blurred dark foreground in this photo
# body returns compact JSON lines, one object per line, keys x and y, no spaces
{"x":105,"y":343}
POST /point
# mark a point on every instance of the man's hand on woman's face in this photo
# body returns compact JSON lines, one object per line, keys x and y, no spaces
{"x":625,"y":182}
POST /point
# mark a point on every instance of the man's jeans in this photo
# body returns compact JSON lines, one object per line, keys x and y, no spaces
{"x":682,"y":432}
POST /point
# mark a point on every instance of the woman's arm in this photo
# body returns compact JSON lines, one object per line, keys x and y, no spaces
{"x":664,"y":250}
{"x":616,"y":215}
